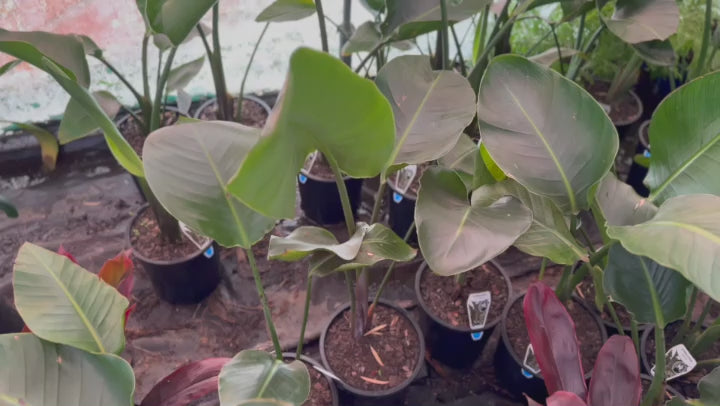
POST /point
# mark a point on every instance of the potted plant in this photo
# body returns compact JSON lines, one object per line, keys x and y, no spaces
{"x":155,"y":235}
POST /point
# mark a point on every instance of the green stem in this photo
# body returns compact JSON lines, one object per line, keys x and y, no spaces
{"x":482,"y":62}
{"x":445,"y":35}
{"x":701,"y":320}
{"x":238,"y":113}
{"x":600,"y":254}
{"x":688,"y":318}
{"x":146,"y":79}
{"x":122,"y":78}
{"x":575,"y":60}
{"x":157,"y":104}
{"x":557,"y":45}
{"x":225,"y":106}
{"x":705,"y":41}
{"x":169,"y":228}
{"x":388,"y":273}
{"x":369,"y":55}
{"x":344,"y":199}
{"x":264,"y":303}
{"x":345,"y":32}
{"x":616,"y":319}
{"x":576,"y":278}
{"x":635,"y":334}
{"x":463,"y":68}
{"x":562,"y":287}
{"x":656,"y":388}
{"x":587,"y":239}
{"x":542,"y":269}
{"x":708,"y":363}
{"x":625,"y":78}
{"x":321,"y":22}
{"x":710,"y":60}
{"x":533,"y":48}
{"x":351,"y":295}
{"x":574,"y":69}
{"x":483,"y":32}
{"x":378,"y":202}
{"x":306,"y":312}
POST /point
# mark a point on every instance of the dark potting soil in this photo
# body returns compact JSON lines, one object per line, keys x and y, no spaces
{"x":587,"y":294}
{"x":448,"y":301}
{"x":622,"y":110}
{"x":146,"y":239}
{"x":320,"y":394}
{"x":253,"y":114}
{"x":646,"y":385}
{"x":686,"y":384}
{"x":131,"y":130}
{"x":352,"y":359}
{"x":588,"y":332}
{"x":321,"y":168}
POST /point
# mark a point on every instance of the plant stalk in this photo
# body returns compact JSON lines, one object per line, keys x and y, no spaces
{"x":378,"y":202}
{"x":344,"y":198}
{"x":169,"y":228}
{"x":122,"y":78}
{"x":238,"y":113}
{"x":616,"y":319}
{"x":701,"y":320}
{"x":557,"y":45}
{"x":575,"y":60}
{"x":575,"y":68}
{"x":145,"y":77}
{"x":225,"y":105}
{"x":306,"y":312}
{"x":656,"y":388}
{"x":461,"y":59}
{"x":700,"y":66}
{"x":157,"y":104}
{"x":345,"y":31}
{"x":369,"y":55}
{"x":625,"y":78}
{"x":264,"y":303}
{"x":321,"y":22}
{"x":635,"y":334}
{"x":481,"y":35}
{"x":543,"y":264}
{"x":445,"y":34}
{"x":351,"y":295}
{"x":687,"y":319}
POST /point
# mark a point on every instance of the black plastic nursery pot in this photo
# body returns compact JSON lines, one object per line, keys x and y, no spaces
{"x":10,"y":320}
{"x":311,"y":363}
{"x":637,"y":173}
{"x":211,"y":102}
{"x":509,"y":367}
{"x":320,"y":199}
{"x":455,"y":346}
{"x":391,"y":396}
{"x":401,"y":211}
{"x":185,"y":280}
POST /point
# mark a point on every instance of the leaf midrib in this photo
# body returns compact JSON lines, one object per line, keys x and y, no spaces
{"x":76,"y":306}
{"x":688,"y":227}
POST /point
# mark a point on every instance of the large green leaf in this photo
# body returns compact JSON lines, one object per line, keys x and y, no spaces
{"x":188,"y":167}
{"x":363,"y":39}
{"x":626,"y":282}
{"x":40,"y":373}
{"x":254,"y":375}
{"x":551,"y":55}
{"x":619,"y":204}
{"x":709,"y":388}
{"x":8,"y":208}
{"x":456,"y":235}
{"x":173,"y":18}
{"x":65,"y":50}
{"x":684,"y":235}
{"x":63,"y":303}
{"x":77,"y":123}
{"x":48,"y":143}
{"x":644,"y":20}
{"x":461,"y":159}
{"x":686,"y":164}
{"x":286,"y":10}
{"x":323,"y":106}
{"x":414,"y":17}
{"x":304,"y":241}
{"x":549,"y":235}
{"x":379,"y":244}
{"x":180,"y":76}
{"x":659,"y":53}
{"x":544,"y":131}
{"x":8,"y":66}
{"x":431,"y":109}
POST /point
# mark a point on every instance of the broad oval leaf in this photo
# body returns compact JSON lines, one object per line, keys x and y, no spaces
{"x":684,"y":165}
{"x":323,"y":106}
{"x":174,"y":18}
{"x":431,"y":109}
{"x":552,"y":335}
{"x":461,"y":159}
{"x":616,"y":375}
{"x":455,"y":234}
{"x":644,"y":20}
{"x":181,"y":75}
{"x":304,"y":241}
{"x":76,"y":123}
{"x":544,"y":131}
{"x":62,"y":302}
{"x":659,"y":53}
{"x":253,"y":375}
{"x":41,"y":373}
{"x":286,"y":10}
{"x":187,"y":384}
{"x":379,"y":244}
{"x":619,"y":204}
{"x":66,"y":51}
{"x":549,"y":235}
{"x":414,"y":17}
{"x":363,"y":39}
{"x":684,"y":235}
{"x":188,"y":169}
{"x":626,"y":282}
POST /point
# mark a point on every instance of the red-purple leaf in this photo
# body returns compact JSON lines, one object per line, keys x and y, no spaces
{"x":616,"y":376}
{"x":62,"y":251}
{"x":187,"y":384}
{"x":563,"y":398}
{"x":552,"y":334}
{"x":118,"y":273}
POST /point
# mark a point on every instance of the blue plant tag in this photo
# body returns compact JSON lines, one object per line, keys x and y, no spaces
{"x":646,"y":153}
{"x":302,"y":178}
{"x":397,"y":197}
{"x":209,"y":252}
{"x":477,"y":335}
{"x":526,"y":374}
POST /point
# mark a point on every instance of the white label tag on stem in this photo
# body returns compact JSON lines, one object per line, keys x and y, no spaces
{"x":195,"y":238}
{"x":678,"y":362}
{"x":530,"y":362}
{"x":478,"y":307}
{"x":404,"y":178}
{"x":310,"y":161}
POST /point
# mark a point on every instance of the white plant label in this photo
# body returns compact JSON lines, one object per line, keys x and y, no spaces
{"x":530,"y":362}
{"x":404,"y":178}
{"x":198,"y":240}
{"x":678,"y":362}
{"x":478,"y":307}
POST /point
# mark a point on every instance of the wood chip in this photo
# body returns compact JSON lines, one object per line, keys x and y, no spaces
{"x":580,"y":292}
{"x":375,"y":330}
{"x":394,"y":321}
{"x":376,"y":356}
{"x":375,"y":381}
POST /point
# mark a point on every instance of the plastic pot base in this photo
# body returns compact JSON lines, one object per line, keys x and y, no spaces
{"x":320,"y":199}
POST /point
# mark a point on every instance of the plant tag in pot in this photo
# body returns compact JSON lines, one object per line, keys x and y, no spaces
{"x":478,"y":307}
{"x":404,"y":178}
{"x":678,"y":362}
{"x":195,"y":238}
{"x":530,"y":362}
{"x":310,"y":161}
